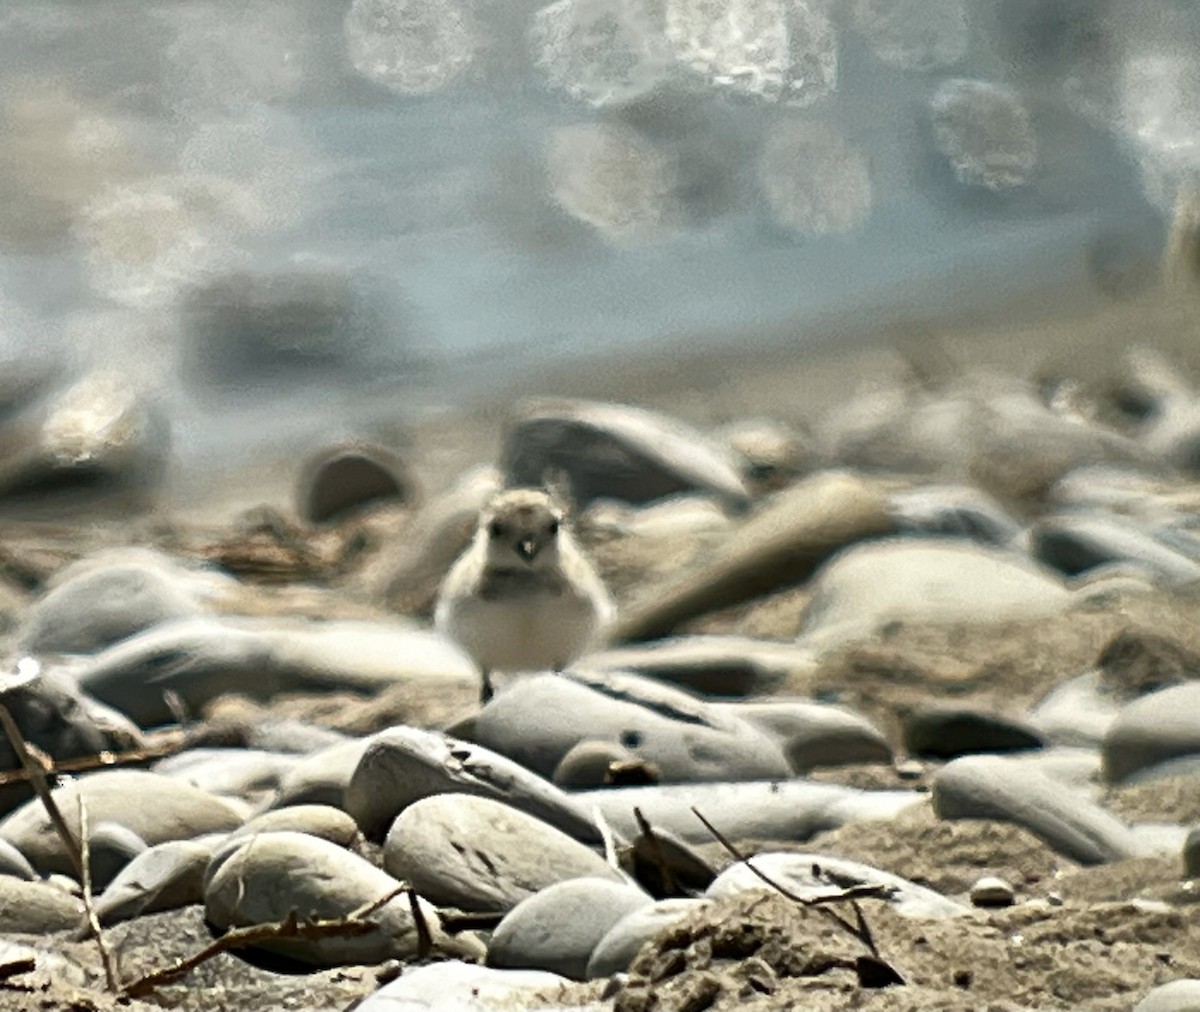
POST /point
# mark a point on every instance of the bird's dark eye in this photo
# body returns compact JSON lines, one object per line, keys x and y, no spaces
{"x":495,"y":529}
{"x":553,"y":528}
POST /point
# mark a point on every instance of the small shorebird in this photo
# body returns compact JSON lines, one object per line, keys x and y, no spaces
{"x":523,"y":597}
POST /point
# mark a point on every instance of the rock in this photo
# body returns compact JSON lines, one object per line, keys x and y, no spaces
{"x":1075,"y":544}
{"x":983,"y":131}
{"x":1138,"y":661}
{"x":246,"y":331}
{"x":992,"y":892}
{"x":710,"y":665}
{"x":772,"y":455}
{"x":61,"y":721}
{"x":991,"y":787}
{"x":200,"y":659}
{"x":814,"y":734}
{"x":535,"y":722}
{"x":676,"y":517}
{"x":994,"y":432}
{"x":1163,"y":725}
{"x":321,"y":778}
{"x":1191,"y":854}
{"x":593,"y":764}
{"x":32,"y":908}
{"x":13,"y":862}
{"x":321,"y":821}
{"x":454,"y":986}
{"x":923,"y":580}
{"x":618,"y":452}
{"x":97,"y":435}
{"x":1078,"y":712}
{"x":272,"y":874}
{"x":777,"y":546}
{"x":616,"y":950}
{"x":164,"y":877}
{"x":341,"y":480}
{"x":789,"y":810}
{"x":954,"y":511}
{"x":665,"y":865}
{"x":472,"y":853}
{"x":402,"y":765}
{"x":243,"y":773}
{"x":558,"y":928}
{"x":111,"y":847}
{"x":813,"y":875}
{"x":101,"y":606}
{"x":944,"y":732}
{"x":1177,"y":996}
{"x":154,"y":807}
{"x":409,"y":570}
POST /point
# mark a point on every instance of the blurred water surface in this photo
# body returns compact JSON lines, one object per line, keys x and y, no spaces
{"x":284,"y":218}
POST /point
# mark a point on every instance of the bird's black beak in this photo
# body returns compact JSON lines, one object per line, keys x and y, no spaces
{"x":527,"y":548}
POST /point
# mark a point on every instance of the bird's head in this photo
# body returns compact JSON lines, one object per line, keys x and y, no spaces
{"x":521,"y":528}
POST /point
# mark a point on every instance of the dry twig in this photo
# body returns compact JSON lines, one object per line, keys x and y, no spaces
{"x":102,"y":760}
{"x":291,"y":927}
{"x":873,"y":971}
{"x":77,"y":850}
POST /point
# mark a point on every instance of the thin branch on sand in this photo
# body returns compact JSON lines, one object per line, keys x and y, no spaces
{"x":873,"y":971}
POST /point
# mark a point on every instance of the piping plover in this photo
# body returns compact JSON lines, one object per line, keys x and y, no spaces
{"x":523,"y":597}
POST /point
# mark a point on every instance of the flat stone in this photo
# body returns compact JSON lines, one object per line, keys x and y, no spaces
{"x":200,"y":659}
{"x":618,"y":452}
{"x":924,"y":580}
{"x":991,"y":787}
{"x":472,"y":853}
{"x":1161,"y":726}
{"x":945,"y":732}
{"x":779,"y":545}
{"x":321,"y":821}
{"x":164,"y":877}
{"x":535,"y":722}
{"x":1177,"y":996}
{"x":591,"y":764}
{"x":13,"y":862}
{"x":454,"y":986}
{"x":788,"y":810}
{"x":710,"y":665}
{"x":816,"y":875}
{"x":772,"y":453}
{"x":238,"y":772}
{"x":33,"y":908}
{"x":65,"y":723}
{"x":1077,"y":712}
{"x":958,"y":511}
{"x":322,"y":777}
{"x":1138,"y":661}
{"x":101,"y":606}
{"x":402,"y":765}
{"x":676,"y":517}
{"x":1075,"y":544}
{"x":341,"y":480}
{"x":154,"y":807}
{"x":617,"y":949}
{"x":813,"y":735}
{"x":992,"y":892}
{"x":273,"y":874}
{"x":558,"y":928}
{"x":111,"y":847}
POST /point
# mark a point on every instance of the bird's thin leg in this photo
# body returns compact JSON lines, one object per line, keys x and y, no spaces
{"x":485,"y":689}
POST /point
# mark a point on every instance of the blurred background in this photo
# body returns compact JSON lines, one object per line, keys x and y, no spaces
{"x":283,"y":223}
